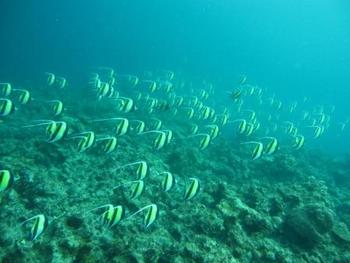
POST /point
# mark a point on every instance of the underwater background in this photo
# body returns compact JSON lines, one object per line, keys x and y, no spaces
{"x":175,"y":131}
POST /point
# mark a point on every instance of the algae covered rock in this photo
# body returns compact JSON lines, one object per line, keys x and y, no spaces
{"x":341,"y":232}
{"x":306,"y":226}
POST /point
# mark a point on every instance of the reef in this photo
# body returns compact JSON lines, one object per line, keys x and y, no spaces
{"x":286,"y":208}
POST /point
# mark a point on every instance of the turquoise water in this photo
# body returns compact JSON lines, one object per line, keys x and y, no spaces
{"x":163,"y":131}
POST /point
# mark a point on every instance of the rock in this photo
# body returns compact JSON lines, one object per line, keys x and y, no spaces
{"x":255,"y":222}
{"x":276,"y":206}
{"x":74,"y":222}
{"x":307,"y":225}
{"x":341,"y":231}
{"x":343,"y":258}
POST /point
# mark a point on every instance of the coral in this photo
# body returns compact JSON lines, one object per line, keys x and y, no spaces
{"x":278,"y":209}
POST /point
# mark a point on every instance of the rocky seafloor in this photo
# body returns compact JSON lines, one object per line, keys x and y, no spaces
{"x":290,"y":207}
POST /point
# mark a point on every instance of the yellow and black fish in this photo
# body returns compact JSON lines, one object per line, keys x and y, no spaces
{"x":112,"y":216}
{"x":150,"y":216}
{"x":157,"y":124}
{"x":5,"y":89}
{"x":192,"y":189}
{"x":50,"y":78}
{"x":126,"y":104}
{"x":139,"y":127}
{"x":272,"y":146}
{"x":60,"y":82}
{"x":24,"y":96}
{"x":257,"y":150}
{"x":213,"y":131}
{"x":142,"y":168}
{"x":38,"y":227}
{"x":169,"y":136}
{"x":6,"y":180}
{"x":160,"y":140}
{"x":168,"y":181}
{"x":56,"y":131}
{"x":6,"y":107}
{"x":86,"y":140}
{"x":57,"y":107}
{"x":236,"y":94}
{"x":109,"y":145}
{"x":299,"y":142}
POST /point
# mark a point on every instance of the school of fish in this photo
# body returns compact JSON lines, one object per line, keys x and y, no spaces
{"x":259,"y":121}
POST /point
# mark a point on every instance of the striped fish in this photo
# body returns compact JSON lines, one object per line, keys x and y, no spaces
{"x":113,"y":93}
{"x":103,"y":89}
{"x":57,"y":108}
{"x":168,"y":181}
{"x":236,"y":94}
{"x":110,"y":144}
{"x":299,"y":142}
{"x":56,"y":130}
{"x":6,"y":180}
{"x":189,"y":112}
{"x":242,"y":80}
{"x":249,"y":129}
{"x":122,"y":127}
{"x":169,"y":135}
{"x":126,"y":104}
{"x":318,"y":131}
{"x":87,"y":139}
{"x":137,"y":189}
{"x":160,"y":140}
{"x":213,"y":131}
{"x":141,"y":170}
{"x":204,"y":142}
{"x":111,"y":81}
{"x":106,"y":71}
{"x":157,"y":125}
{"x":133,"y":80}
{"x":251,"y":115}
{"x":38,"y":227}
{"x":272,"y":146}
{"x":288,"y":127}
{"x":194,"y":129}
{"x":205,"y":113}
{"x":113,"y":215}
{"x":192,"y":189}
{"x":139,"y":127}
{"x":150,"y":85}
{"x":193,"y":101}
{"x":60,"y":82}
{"x":167,"y":87}
{"x":179,"y":101}
{"x":223,"y":119}
{"x":242,"y":126}
{"x":24,"y":96}
{"x":168,"y":74}
{"x":150,"y":216}
{"x":257,"y":150}
{"x":6,"y":107}
{"x":5,"y":89}
{"x":50,"y":78}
